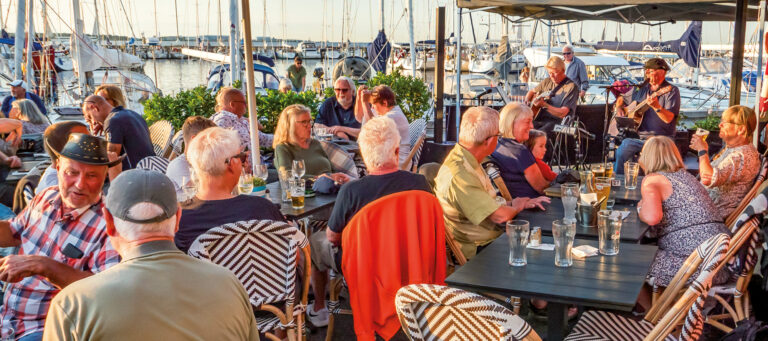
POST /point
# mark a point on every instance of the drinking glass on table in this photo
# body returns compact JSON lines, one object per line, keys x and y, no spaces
{"x":298,"y":169}
{"x":569,"y":193}
{"x":188,"y":187}
{"x":598,"y":170}
{"x":260,"y":171}
{"x":563,"y":234}
{"x":245,"y":184}
{"x":285,"y":185}
{"x":603,"y":187}
{"x":609,"y":232}
{"x":517,"y":231}
{"x":297,"y":193}
{"x":631,"y":171}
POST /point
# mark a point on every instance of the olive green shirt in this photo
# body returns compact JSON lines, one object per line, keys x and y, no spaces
{"x":468,"y":199}
{"x":155,"y":293}
{"x":296,"y":75}
{"x":316,"y":162}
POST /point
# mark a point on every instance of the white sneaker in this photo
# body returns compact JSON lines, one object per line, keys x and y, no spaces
{"x":318,"y":318}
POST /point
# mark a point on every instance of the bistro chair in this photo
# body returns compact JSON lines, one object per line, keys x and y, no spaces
{"x":177,"y":145}
{"x":25,"y":188}
{"x":417,"y":133}
{"x":492,"y":169}
{"x":155,"y":163}
{"x":161,"y":134}
{"x":263,"y":254}
{"x":424,"y":308}
{"x":729,"y":221}
{"x":660,"y":321}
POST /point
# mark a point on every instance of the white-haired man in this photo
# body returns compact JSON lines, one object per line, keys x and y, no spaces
{"x":379,"y":143}
{"x":464,"y":189}
{"x":556,"y":96}
{"x":217,"y":158}
{"x":230,"y":113}
{"x":338,"y":113}
{"x":575,"y":70}
{"x":156,"y":292}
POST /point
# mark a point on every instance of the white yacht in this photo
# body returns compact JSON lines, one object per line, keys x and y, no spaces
{"x":308,"y":50}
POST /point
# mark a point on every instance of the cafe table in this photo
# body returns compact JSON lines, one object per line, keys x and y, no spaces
{"x":620,"y":193}
{"x":632,"y":229}
{"x":603,"y":282}
{"x":27,"y":164}
{"x":312,"y":205}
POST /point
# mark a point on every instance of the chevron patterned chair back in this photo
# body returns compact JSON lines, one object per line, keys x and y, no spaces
{"x":263,"y":254}
{"x":417,"y":133}
{"x":761,"y":176}
{"x":435,"y":312}
{"x":603,"y":325}
{"x":177,"y":144}
{"x":161,"y":133}
{"x":155,"y":163}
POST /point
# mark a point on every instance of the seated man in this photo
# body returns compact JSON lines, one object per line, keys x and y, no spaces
{"x":337,"y":114}
{"x":19,"y":91}
{"x":156,"y":292}
{"x":230,"y":113}
{"x":379,"y":143}
{"x":554,"y":98}
{"x":62,"y":236}
{"x":56,"y":136}
{"x":178,"y":168}
{"x":125,"y":130}
{"x":217,"y":160}
{"x":464,"y":189}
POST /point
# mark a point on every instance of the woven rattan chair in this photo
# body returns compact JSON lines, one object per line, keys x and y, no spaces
{"x":161,"y":134}
{"x":155,"y":163}
{"x":263,"y":254}
{"x":423,"y":310}
{"x":177,"y":145}
{"x":664,"y":316}
{"x":731,"y":219}
{"x":417,"y":133}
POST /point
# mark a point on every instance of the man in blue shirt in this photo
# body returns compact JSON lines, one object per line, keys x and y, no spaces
{"x":337,"y":114}
{"x":660,"y":118}
{"x":19,"y":91}
{"x":575,"y":70}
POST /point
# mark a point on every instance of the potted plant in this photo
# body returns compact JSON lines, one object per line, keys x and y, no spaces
{"x":712,"y":124}
{"x":259,"y":187}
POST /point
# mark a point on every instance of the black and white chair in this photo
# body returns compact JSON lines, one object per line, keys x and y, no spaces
{"x":161,"y":134}
{"x":155,"y":163}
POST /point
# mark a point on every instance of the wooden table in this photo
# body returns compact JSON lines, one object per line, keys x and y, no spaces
{"x":606,"y":282}
{"x":27,"y":163}
{"x":632,"y":229}
{"x":620,"y":193}
{"x":312,"y":205}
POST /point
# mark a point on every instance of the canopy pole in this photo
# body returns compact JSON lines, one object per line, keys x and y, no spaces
{"x":738,"y":51}
{"x":759,"y":90}
{"x":457,"y":68}
{"x":234,"y":43}
{"x":410,"y":37}
{"x":250,"y":90}
{"x":549,"y":39}
{"x":439,"y":73}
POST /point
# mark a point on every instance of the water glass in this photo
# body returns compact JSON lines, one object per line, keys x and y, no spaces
{"x":517,"y":231}
{"x":260,"y":171}
{"x":285,"y":184}
{"x":569,"y":193}
{"x":609,"y":232}
{"x":298,"y":169}
{"x":245,"y":184}
{"x":631,"y":170}
{"x":188,"y":188}
{"x":297,"y":193}
{"x":563,"y":234}
{"x":603,"y":187}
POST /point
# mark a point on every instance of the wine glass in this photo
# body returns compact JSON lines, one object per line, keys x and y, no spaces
{"x":298,"y":169}
{"x":260,"y":171}
{"x":188,"y":187}
{"x":245,"y":185}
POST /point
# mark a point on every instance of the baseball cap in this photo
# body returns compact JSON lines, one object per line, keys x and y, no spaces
{"x":137,"y":186}
{"x":656,"y":63}
{"x":20,"y":83}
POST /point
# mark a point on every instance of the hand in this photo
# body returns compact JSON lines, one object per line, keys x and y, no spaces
{"x":342,"y":135}
{"x":363,"y":93}
{"x":14,"y":268}
{"x":340,"y":178}
{"x":335,"y":129}
{"x":14,"y":161}
{"x":96,"y":128}
{"x":698,"y":144}
{"x":540,"y":102}
{"x":654,"y":103}
{"x":582,"y":93}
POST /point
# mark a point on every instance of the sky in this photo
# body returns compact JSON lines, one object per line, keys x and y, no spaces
{"x":321,"y":20}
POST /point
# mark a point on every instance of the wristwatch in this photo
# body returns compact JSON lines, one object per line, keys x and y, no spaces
{"x":657,"y":110}
{"x":702,"y":153}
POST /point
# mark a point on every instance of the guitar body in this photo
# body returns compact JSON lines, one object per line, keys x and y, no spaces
{"x":536,"y":108}
{"x":636,"y":110}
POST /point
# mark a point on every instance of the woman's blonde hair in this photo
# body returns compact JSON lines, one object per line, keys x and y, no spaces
{"x":509,"y":114}
{"x":29,"y":112}
{"x":744,"y":116}
{"x":556,"y":62}
{"x":660,"y":154}
{"x":285,"y":123}
{"x":114,"y":93}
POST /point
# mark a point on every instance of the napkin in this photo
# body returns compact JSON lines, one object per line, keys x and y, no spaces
{"x":623,"y":214}
{"x":542,"y":246}
{"x":584,"y":251}
{"x":587,"y":198}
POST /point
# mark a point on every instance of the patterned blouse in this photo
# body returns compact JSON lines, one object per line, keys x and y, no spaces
{"x":31,"y":128}
{"x":734,"y":172}
{"x":226,"y":119}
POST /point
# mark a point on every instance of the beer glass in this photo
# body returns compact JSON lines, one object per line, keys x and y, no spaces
{"x":517,"y":231}
{"x":603,"y":189}
{"x":297,"y":193}
{"x":563,"y":234}
{"x":631,"y":171}
{"x":569,"y":193}
{"x":609,"y":232}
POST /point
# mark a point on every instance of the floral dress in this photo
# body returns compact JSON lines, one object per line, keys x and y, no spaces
{"x":734,"y":172}
{"x":690,"y":218}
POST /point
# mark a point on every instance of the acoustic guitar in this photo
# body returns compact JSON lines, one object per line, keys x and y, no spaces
{"x":545,"y":96}
{"x":635,"y":110}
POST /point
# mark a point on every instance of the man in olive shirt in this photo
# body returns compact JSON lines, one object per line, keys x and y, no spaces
{"x":464,"y":189}
{"x":297,"y":74}
{"x":156,"y":292}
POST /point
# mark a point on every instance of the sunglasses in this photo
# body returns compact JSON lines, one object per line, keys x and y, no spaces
{"x":243,"y":156}
{"x":567,"y":53}
{"x":342,"y":90}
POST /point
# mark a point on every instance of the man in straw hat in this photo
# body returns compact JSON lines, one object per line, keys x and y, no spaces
{"x":62,"y":237}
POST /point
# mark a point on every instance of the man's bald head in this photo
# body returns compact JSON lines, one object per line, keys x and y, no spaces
{"x":232,"y":100}
{"x":97,"y":108}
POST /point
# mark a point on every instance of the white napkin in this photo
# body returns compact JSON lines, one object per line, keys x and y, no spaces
{"x":587,"y":198}
{"x":542,"y":246}
{"x":584,"y":251}
{"x":622,"y":214}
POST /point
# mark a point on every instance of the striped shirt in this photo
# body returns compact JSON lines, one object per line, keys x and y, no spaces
{"x":44,"y":230}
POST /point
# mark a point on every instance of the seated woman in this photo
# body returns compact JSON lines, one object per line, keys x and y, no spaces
{"x":293,"y":141}
{"x":517,"y":164}
{"x":731,"y":173}
{"x":24,"y":118}
{"x":381,"y":102}
{"x":676,"y":207}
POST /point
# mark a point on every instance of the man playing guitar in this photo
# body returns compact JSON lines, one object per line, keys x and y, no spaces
{"x":659,"y":119}
{"x":550,"y":106}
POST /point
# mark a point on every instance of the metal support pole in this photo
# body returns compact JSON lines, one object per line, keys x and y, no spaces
{"x":18,"y":53}
{"x":457,"y":66}
{"x":234,"y":43}
{"x":439,"y":74}
{"x":410,"y":36}
{"x":549,"y":38}
{"x":738,"y":51}
{"x":30,"y":74}
{"x":250,"y":90}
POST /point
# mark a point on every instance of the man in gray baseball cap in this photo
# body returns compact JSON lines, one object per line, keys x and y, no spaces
{"x":156,"y":292}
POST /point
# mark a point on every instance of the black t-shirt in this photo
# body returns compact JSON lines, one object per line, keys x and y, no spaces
{"x":199,"y":216}
{"x":356,"y":194}
{"x":127,"y":128}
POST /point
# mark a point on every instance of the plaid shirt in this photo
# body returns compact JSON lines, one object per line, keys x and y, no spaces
{"x":44,"y":231}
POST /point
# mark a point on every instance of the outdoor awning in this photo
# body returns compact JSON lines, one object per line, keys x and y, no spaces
{"x":625,"y":11}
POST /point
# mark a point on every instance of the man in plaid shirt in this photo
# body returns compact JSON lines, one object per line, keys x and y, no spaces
{"x":62,"y":238}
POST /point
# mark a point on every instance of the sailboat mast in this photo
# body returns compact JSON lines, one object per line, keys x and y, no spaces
{"x":176,"y":13}
{"x":410,"y":36}
{"x":75,"y":45}
{"x":234,"y":42}
{"x":30,"y":74}
{"x":18,"y":53}
{"x":96,"y":30}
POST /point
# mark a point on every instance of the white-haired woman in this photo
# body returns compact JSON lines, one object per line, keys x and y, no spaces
{"x":285,"y":85}
{"x":293,"y":141}
{"x":24,"y":118}
{"x":517,"y":164}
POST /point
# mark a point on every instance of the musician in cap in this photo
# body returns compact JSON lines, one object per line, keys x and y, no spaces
{"x":655,"y":107}
{"x":554,"y":98}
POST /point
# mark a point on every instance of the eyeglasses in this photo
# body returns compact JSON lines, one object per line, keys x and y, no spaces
{"x":306,"y":123}
{"x":243,"y":156}
{"x":494,"y":136}
{"x":730,"y":122}
{"x":299,"y":63}
{"x":342,"y":90}
{"x":567,"y":53}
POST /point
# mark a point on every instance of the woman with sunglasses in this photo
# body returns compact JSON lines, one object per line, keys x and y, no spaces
{"x":731,"y":173}
{"x":293,"y":141}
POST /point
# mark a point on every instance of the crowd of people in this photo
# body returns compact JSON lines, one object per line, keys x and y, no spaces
{"x":102,"y":244}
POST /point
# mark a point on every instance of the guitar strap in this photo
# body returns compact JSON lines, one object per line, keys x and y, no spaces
{"x":560,"y":85}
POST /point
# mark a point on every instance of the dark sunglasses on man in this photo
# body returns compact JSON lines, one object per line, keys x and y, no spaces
{"x":243,"y":156}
